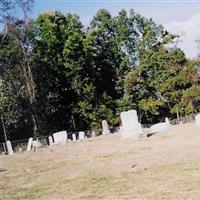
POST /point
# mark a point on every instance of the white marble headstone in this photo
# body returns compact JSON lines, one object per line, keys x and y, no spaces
{"x":60,"y":137}
{"x":160,"y":127}
{"x":36,"y":144}
{"x":130,"y":125}
{"x":93,"y":133}
{"x":197,"y":120}
{"x":105,"y":127}
{"x":81,"y":135}
{"x":167,"y":121}
{"x":74,"y":137}
{"x":30,"y":140}
{"x":9,"y":147}
{"x":50,"y":140}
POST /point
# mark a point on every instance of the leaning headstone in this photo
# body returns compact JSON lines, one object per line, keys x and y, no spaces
{"x":130,"y":125}
{"x":197,"y":120}
{"x":74,"y":137}
{"x":60,"y":137}
{"x":9,"y":147}
{"x":81,"y":135}
{"x":50,"y":140}
{"x":105,"y":127}
{"x":30,"y":140}
{"x":160,"y":127}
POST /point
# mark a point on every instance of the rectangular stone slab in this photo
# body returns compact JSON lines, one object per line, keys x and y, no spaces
{"x":197,"y":120}
{"x":60,"y":137}
{"x":30,"y":140}
{"x":105,"y":127}
{"x":9,"y":147}
{"x":81,"y":135}
{"x":160,"y":127}
{"x":131,"y":128}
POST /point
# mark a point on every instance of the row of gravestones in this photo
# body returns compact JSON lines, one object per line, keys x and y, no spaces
{"x":131,"y":128}
{"x":57,"y":138}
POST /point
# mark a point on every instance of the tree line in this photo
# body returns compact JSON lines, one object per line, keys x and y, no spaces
{"x":56,"y":74}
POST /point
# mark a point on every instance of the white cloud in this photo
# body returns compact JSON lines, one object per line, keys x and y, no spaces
{"x":189,"y":32}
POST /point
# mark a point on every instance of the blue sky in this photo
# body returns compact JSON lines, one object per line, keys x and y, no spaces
{"x":178,"y":16}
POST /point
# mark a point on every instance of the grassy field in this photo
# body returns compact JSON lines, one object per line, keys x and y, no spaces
{"x":163,"y":166}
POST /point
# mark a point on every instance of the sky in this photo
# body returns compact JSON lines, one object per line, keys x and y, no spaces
{"x":177,"y":16}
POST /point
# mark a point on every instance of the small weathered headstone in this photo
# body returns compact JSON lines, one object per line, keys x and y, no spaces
{"x":105,"y":127}
{"x":36,"y":144}
{"x":160,"y":127}
{"x":81,"y":135}
{"x":9,"y":147}
{"x":130,"y":125}
{"x":50,"y":140}
{"x":60,"y":137}
{"x":167,"y":121}
{"x":30,"y":140}
{"x":197,"y":120}
{"x":93,"y":133}
{"x":74,"y":137}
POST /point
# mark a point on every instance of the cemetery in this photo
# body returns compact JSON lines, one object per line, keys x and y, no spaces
{"x":99,"y":100}
{"x":98,"y":167}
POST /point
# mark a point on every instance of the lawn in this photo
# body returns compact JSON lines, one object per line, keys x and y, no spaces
{"x":163,"y":166}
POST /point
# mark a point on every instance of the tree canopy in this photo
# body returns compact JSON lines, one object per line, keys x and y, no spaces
{"x":57,"y":74}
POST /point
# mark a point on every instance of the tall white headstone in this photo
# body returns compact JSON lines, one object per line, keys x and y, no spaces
{"x":50,"y":140}
{"x":130,"y":125}
{"x":81,"y":135}
{"x":105,"y":127}
{"x":197,"y":120}
{"x":9,"y":147}
{"x":74,"y":137}
{"x":30,"y":140}
{"x":60,"y":137}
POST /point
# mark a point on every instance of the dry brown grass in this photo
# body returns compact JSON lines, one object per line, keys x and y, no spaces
{"x":164,"y":166}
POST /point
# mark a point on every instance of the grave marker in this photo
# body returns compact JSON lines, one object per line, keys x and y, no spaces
{"x":9,"y":147}
{"x":130,"y":125}
{"x":105,"y":127}
{"x":81,"y":135}
{"x":30,"y":140}
{"x":60,"y":137}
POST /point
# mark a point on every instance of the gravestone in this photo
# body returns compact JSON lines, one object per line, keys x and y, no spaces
{"x":30,"y":140}
{"x":130,"y":125}
{"x":105,"y":127}
{"x":50,"y":140}
{"x":74,"y":137}
{"x":167,"y":121}
{"x":9,"y":147}
{"x":36,"y":144}
{"x":160,"y":127}
{"x":197,"y":120}
{"x":81,"y":135}
{"x":60,"y":137}
{"x":93,"y":133}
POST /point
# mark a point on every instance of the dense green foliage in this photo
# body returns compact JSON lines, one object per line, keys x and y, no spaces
{"x":84,"y":75}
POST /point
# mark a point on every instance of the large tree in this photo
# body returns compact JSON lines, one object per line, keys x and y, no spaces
{"x":16,"y":58}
